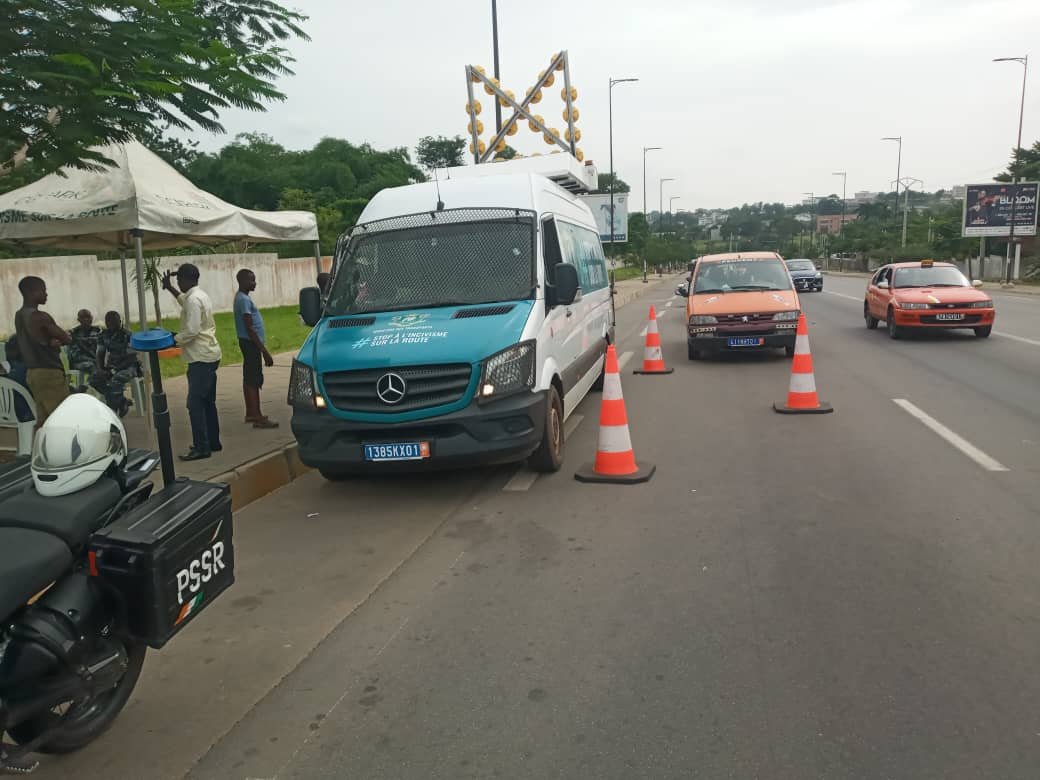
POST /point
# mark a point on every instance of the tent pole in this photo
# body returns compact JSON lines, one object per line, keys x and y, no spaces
{"x":126,"y":286}
{"x":142,"y":316}
{"x":317,"y":257}
{"x":142,"y":307}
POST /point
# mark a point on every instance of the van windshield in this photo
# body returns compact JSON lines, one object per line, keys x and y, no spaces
{"x":439,"y":263}
{"x":741,"y":275}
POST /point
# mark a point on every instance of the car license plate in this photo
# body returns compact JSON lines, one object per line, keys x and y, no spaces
{"x":410,"y":450}
{"x":948,"y":317}
{"x":747,"y":341}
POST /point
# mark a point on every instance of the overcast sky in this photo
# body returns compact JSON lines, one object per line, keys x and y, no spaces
{"x":751,"y":99}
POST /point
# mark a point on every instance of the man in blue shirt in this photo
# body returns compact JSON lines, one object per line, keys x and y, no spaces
{"x":249,"y":324}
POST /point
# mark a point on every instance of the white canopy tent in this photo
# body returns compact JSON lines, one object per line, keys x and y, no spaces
{"x":142,"y":202}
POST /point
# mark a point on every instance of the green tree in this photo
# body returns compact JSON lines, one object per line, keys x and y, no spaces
{"x":77,"y":74}
{"x":829,"y":205}
{"x":508,"y":153}
{"x":1025,"y":164}
{"x":603,"y":186}
{"x":440,"y":152}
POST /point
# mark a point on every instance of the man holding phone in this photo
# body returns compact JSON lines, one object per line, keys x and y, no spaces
{"x":200,"y":349}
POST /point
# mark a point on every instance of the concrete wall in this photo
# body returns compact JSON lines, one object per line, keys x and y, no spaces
{"x":81,"y":281}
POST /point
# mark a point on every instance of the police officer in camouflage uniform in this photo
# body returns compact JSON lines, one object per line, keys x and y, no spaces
{"x":84,"y":346}
{"x":117,"y":364}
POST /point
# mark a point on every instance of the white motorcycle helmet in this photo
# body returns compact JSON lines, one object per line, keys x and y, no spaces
{"x":76,"y":446}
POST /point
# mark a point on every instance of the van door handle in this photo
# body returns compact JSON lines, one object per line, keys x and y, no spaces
{"x":569,"y":312}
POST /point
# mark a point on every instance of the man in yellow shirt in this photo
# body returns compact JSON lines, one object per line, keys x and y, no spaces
{"x":197,"y":339}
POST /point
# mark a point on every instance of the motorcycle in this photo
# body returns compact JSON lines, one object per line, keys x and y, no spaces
{"x":88,"y":582}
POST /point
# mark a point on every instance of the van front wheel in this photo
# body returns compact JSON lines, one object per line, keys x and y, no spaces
{"x":549,"y":455}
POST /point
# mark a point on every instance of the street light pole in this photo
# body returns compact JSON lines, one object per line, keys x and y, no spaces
{"x":1024,"y":61}
{"x":899,"y":166}
{"x":671,"y":221}
{"x":646,"y":211}
{"x":660,"y":214}
{"x":610,"y":122}
{"x":844,"y":177}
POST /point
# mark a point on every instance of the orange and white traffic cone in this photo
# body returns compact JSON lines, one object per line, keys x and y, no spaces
{"x":653,"y":360}
{"x":615,"y":459}
{"x":801,"y":395}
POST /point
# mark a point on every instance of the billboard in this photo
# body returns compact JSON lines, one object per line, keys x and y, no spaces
{"x":600,"y":205}
{"x":988,"y":207}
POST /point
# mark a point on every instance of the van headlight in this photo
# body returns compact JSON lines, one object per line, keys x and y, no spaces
{"x":786,"y":316}
{"x":904,"y":305}
{"x":703,"y":319}
{"x":507,"y":372}
{"x":303,"y":387}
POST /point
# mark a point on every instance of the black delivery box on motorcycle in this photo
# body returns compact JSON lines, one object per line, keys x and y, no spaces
{"x":169,"y":558}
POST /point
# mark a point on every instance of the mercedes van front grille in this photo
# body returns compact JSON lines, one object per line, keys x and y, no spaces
{"x":395,"y":390}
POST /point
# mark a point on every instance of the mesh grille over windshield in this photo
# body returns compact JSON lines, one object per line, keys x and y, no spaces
{"x":456,"y":257}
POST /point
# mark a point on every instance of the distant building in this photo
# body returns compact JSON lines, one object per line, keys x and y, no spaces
{"x":803,"y":217}
{"x":830,"y":224}
{"x":866,"y":197}
{"x":959,"y":191}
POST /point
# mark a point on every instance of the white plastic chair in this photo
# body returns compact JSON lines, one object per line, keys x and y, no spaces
{"x":9,"y":390}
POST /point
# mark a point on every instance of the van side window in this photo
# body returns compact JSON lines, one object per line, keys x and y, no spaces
{"x":583,"y":249}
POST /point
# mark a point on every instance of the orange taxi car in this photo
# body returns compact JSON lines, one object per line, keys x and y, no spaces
{"x":740,"y":301}
{"x":926,"y":295}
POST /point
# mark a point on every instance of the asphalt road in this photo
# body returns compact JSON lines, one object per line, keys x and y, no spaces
{"x":844,"y":596}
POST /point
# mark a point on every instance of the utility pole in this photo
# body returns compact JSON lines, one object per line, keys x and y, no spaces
{"x":1011,"y":253}
{"x":812,"y":219}
{"x":671,"y":219}
{"x":907,"y":183}
{"x":498,"y":75}
{"x":844,"y":177}
{"x":899,"y":167}
{"x":660,"y":212}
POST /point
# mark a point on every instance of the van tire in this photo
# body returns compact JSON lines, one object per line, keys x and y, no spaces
{"x":597,"y":386}
{"x":549,"y":455}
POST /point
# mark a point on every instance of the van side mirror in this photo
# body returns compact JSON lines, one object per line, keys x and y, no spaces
{"x":682,"y":291}
{"x":565,"y":282}
{"x":310,"y":305}
{"x":883,"y":284}
{"x":977,"y":283}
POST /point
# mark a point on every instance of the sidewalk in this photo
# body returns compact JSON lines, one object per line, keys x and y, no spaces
{"x":256,"y":462}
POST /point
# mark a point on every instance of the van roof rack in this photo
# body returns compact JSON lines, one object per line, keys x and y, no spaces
{"x":561,"y":168}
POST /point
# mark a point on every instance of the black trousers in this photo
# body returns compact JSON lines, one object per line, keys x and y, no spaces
{"x":202,"y":406}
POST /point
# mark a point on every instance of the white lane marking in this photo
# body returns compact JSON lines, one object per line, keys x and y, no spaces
{"x":625,"y":357}
{"x":843,"y":295}
{"x":523,"y":479}
{"x":957,"y":441}
{"x":1032,"y":342}
{"x":669,"y":305}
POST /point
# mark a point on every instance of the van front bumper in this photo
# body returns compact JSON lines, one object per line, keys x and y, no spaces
{"x":481,"y":434}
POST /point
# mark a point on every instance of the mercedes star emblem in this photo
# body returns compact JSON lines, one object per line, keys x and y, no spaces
{"x":391,"y":388}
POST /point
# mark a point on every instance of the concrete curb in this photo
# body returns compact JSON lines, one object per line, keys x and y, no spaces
{"x":276,"y":469}
{"x":262,"y":476}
